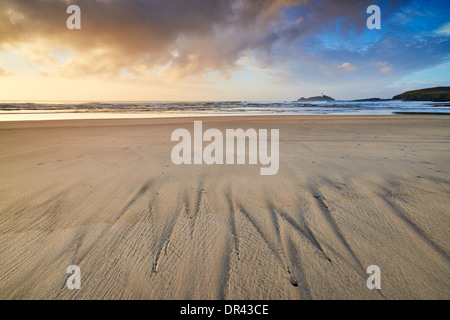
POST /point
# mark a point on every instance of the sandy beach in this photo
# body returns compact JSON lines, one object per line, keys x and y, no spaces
{"x":351,"y":191}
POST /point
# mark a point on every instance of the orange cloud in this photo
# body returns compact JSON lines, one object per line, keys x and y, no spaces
{"x":138,"y":37}
{"x":347,"y":66}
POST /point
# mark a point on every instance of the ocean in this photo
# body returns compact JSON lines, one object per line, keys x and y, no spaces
{"x":44,"y":110}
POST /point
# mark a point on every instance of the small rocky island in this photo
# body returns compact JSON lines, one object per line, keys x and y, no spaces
{"x":318,"y":98}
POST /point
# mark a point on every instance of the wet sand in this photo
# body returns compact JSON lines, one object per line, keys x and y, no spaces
{"x":351,"y":191}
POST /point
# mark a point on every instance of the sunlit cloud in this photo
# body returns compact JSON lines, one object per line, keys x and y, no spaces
{"x":347,"y":66}
{"x":383,"y":66}
{"x":139,"y":36}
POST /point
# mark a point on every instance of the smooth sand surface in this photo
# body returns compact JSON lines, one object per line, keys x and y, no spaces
{"x":351,"y":191}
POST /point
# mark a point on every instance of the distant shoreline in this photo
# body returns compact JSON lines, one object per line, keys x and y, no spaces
{"x":25,"y":112}
{"x":436,"y":94}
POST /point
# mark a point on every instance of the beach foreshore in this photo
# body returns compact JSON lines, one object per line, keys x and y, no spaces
{"x":104,"y":195}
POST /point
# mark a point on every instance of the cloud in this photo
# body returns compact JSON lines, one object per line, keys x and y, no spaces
{"x":383,"y":66}
{"x":140,"y":37}
{"x":386,"y":69}
{"x":347,"y":66}
{"x":444,"y":30}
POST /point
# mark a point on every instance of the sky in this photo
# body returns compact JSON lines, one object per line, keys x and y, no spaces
{"x":220,"y":50}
